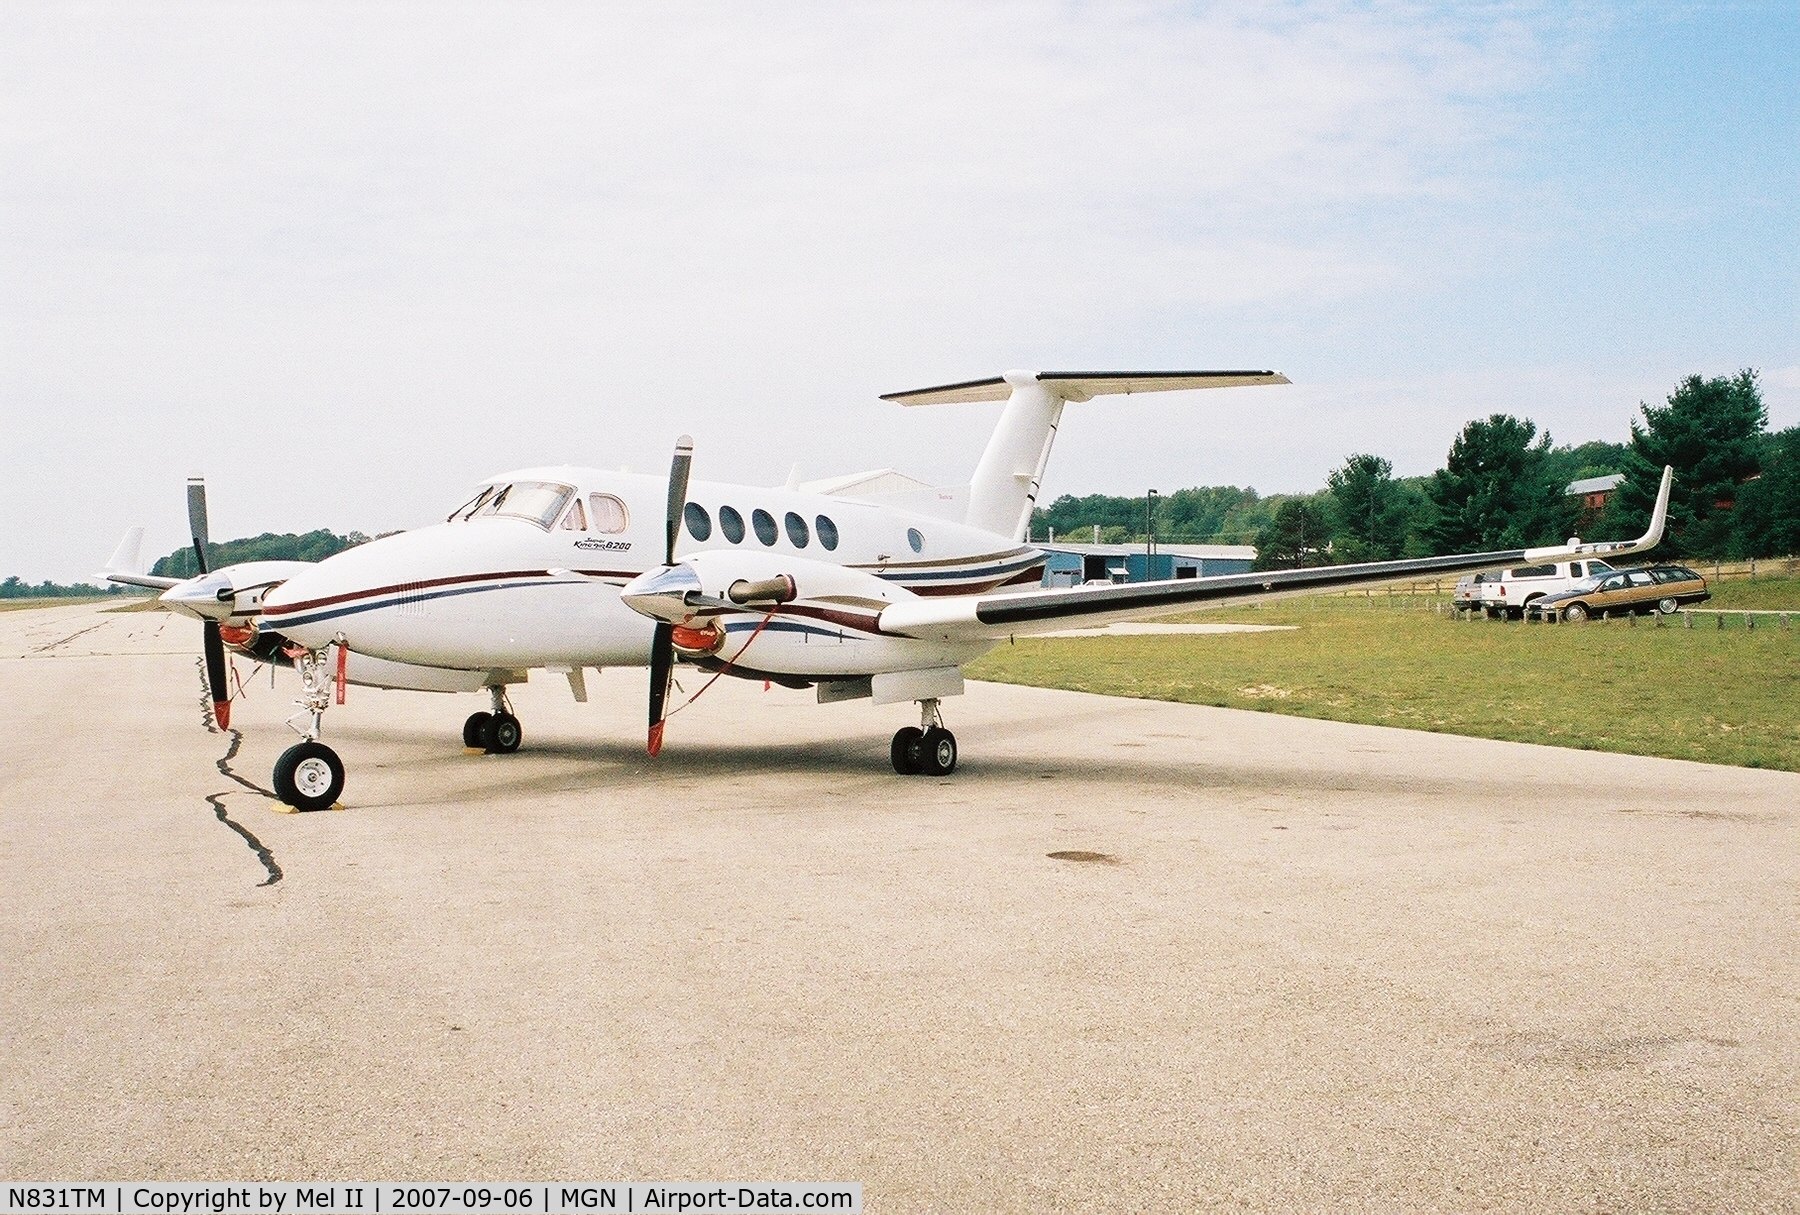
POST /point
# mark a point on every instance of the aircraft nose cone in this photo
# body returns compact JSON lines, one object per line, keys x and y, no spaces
{"x":207,"y":597}
{"x":661,"y":594}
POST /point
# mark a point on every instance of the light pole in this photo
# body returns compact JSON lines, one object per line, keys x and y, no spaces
{"x":1149,"y":535}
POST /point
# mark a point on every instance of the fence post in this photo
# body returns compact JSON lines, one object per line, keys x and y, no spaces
{"x":1749,"y":622}
{"x":1784,"y":622}
{"x":1721,"y":620}
{"x":1631,"y":620}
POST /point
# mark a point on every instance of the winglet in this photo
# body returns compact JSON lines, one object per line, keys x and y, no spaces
{"x":128,"y":557}
{"x":126,"y":564}
{"x":1654,"y":533}
{"x":1659,"y":517}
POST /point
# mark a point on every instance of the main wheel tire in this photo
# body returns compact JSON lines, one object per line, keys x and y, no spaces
{"x":475,"y":730}
{"x":503,"y":734}
{"x":906,"y":752}
{"x":937,"y":752}
{"x":1575,"y":613}
{"x":1668,"y":606}
{"x":309,"y":776}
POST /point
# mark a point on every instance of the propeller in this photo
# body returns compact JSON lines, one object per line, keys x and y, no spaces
{"x":662,"y":643}
{"x":214,"y":644}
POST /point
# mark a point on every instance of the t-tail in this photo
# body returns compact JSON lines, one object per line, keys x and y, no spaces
{"x":1004,"y":488}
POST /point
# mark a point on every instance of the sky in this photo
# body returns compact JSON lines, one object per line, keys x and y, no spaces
{"x":347,"y":260}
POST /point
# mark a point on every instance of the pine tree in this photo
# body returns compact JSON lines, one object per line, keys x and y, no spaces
{"x":1297,"y":538}
{"x":1709,"y":432}
{"x":1497,"y":490}
{"x":1368,"y":510}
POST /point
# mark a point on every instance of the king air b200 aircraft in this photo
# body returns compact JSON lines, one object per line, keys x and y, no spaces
{"x":882,"y":596}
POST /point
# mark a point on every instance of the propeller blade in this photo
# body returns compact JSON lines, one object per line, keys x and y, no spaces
{"x":662,"y":665}
{"x":662,"y":644}
{"x":197,"y":519}
{"x":215,"y":674}
{"x":678,"y":486}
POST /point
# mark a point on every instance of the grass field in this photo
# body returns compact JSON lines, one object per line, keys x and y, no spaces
{"x":1728,"y":696}
{"x":20,"y":605}
{"x":1759,"y":594}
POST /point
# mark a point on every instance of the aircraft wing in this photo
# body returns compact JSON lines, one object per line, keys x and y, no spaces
{"x":144,"y":580}
{"x":973,"y":617}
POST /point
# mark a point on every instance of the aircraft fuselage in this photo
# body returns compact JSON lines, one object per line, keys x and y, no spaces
{"x":491,"y":589}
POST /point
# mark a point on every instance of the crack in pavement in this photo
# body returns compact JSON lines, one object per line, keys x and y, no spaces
{"x":51,"y":645}
{"x":217,"y":800}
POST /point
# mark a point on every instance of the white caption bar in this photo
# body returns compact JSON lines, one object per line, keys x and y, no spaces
{"x":429,"y":1198}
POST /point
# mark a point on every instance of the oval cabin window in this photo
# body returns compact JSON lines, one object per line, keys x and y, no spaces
{"x":699,"y":523}
{"x":796,"y":530}
{"x":764,"y":523}
{"x":828,"y":533}
{"x":732,"y":524}
{"x":915,"y":538}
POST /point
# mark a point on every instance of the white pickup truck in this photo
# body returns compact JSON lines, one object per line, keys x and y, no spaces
{"x":1509,"y":592}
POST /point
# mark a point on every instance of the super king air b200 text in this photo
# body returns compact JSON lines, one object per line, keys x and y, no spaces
{"x":869,"y":587}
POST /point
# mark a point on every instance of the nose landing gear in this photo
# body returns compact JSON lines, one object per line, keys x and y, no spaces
{"x":498,"y":732}
{"x":309,"y":775}
{"x":927,"y":749}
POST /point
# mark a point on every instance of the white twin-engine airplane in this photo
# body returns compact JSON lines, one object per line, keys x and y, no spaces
{"x":865,"y":594}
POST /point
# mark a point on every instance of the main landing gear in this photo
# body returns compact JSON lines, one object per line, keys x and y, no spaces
{"x":926,"y":749}
{"x":309,"y":775}
{"x":498,"y":732}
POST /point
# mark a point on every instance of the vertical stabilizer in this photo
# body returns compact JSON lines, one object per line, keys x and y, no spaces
{"x":1005,"y":485}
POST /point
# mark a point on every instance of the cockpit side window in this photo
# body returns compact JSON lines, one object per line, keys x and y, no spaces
{"x":608,"y":512}
{"x":576,"y":519}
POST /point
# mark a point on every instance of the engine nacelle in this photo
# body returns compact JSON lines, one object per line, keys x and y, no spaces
{"x":707,"y":583}
{"x":775,"y":615}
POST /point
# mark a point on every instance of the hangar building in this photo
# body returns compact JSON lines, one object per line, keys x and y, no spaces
{"x":1074,"y":564}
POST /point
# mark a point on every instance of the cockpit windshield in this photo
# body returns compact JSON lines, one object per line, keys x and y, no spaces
{"x":539,"y":501}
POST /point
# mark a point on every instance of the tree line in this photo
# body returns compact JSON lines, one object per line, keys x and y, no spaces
{"x":288,"y":546}
{"x":16,"y":588}
{"x":1503,"y":486}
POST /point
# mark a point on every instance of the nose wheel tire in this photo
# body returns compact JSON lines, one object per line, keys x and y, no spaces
{"x":309,"y":776}
{"x":917,"y":752}
{"x":938,"y":752}
{"x":474,"y":729}
{"x":501,"y":734}
{"x":905,"y":750}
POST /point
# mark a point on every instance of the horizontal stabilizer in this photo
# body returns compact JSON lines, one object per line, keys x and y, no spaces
{"x":1084,"y":385}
